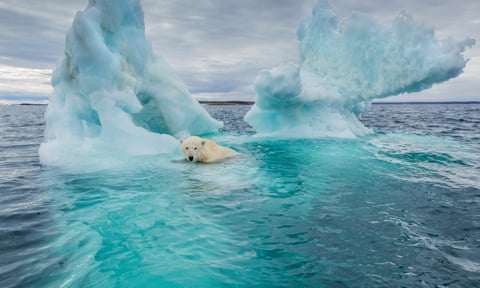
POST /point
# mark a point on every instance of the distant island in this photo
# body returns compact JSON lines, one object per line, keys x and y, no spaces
{"x":373,"y":103}
{"x":428,"y":102}
{"x":241,"y":102}
{"x":226,"y":102}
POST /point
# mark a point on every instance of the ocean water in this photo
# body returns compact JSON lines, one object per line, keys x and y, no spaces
{"x":399,"y":208}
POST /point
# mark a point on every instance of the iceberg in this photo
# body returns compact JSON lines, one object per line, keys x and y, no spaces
{"x":344,"y":65}
{"x":112,"y":94}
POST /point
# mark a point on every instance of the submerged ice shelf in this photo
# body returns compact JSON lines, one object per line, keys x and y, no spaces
{"x":344,"y":65}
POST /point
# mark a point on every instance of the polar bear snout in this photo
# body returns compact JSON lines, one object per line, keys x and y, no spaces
{"x":190,"y":158}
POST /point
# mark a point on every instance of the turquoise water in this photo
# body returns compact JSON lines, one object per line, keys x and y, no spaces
{"x":400,"y":208}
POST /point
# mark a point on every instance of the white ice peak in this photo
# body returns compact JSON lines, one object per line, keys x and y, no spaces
{"x":111,"y":91}
{"x":343,"y":66}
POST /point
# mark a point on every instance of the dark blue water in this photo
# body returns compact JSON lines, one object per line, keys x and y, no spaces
{"x":399,"y":208}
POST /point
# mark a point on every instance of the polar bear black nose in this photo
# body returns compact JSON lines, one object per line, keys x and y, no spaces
{"x":190,"y":158}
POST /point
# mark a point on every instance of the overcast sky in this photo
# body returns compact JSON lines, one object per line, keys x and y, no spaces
{"x":218,"y":46}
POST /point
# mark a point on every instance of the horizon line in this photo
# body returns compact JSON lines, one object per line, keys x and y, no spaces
{"x":249,"y":102}
{"x":246,"y":102}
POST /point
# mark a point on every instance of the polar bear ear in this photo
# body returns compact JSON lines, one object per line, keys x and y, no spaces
{"x":181,"y":141}
{"x":203,"y":143}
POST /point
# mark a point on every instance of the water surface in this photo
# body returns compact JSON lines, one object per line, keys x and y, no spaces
{"x":399,"y":208}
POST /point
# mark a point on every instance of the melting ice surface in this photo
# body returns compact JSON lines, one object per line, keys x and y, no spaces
{"x":112,"y":95}
{"x":343,"y":66}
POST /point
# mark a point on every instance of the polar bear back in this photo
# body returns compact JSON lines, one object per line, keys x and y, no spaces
{"x":214,"y":152}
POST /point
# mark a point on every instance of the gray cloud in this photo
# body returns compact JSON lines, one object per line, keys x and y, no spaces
{"x":224,"y":44}
{"x":217,"y":46}
{"x":448,"y":18}
{"x":33,"y":32}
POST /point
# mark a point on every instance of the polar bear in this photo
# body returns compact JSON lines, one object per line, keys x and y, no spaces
{"x":196,"y":149}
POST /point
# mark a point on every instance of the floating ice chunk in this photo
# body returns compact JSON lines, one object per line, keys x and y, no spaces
{"x":111,"y":92}
{"x":343,"y":66}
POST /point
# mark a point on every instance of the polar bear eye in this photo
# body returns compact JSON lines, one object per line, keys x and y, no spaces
{"x":186,"y":148}
{"x":195,"y":148}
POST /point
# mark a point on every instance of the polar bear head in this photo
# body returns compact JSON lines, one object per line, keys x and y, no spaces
{"x":195,"y":149}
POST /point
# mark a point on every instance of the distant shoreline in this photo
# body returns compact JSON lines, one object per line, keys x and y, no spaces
{"x":227,"y":102}
{"x":253,"y":102}
{"x":428,"y":102}
{"x":373,"y":103}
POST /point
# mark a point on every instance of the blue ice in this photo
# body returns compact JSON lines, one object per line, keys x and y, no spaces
{"x":112,"y":95}
{"x":344,"y":65}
